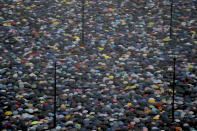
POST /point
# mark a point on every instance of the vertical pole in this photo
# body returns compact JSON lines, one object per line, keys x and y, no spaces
{"x":174,"y":60}
{"x":171,"y":18}
{"x":174,"y":78}
{"x":83,"y":22}
{"x":54,"y":111}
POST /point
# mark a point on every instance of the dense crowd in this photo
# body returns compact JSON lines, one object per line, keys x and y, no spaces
{"x":118,"y":78}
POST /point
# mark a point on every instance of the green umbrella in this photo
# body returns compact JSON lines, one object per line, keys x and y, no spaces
{"x":34,"y":122}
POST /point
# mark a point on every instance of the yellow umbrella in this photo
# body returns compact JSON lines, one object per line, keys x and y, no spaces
{"x":8,"y":113}
{"x":34,"y":122}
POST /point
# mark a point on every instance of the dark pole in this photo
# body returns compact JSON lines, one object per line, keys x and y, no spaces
{"x":171,"y":18}
{"x":54,"y":117}
{"x":174,"y":59}
{"x":174,"y":78}
{"x":83,"y":22}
